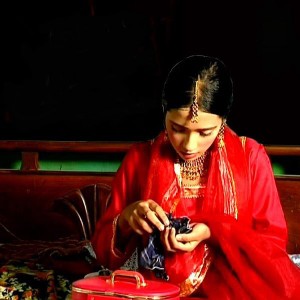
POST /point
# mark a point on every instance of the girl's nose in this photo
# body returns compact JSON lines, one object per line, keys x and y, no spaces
{"x":191,"y":142}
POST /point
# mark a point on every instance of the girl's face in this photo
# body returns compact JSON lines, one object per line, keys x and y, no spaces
{"x":191,"y":140}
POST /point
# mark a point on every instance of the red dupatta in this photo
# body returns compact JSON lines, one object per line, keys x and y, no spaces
{"x":228,"y":178}
{"x":236,"y":263}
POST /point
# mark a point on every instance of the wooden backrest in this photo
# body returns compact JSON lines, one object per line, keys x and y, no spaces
{"x":27,"y":202}
{"x":289,"y":191}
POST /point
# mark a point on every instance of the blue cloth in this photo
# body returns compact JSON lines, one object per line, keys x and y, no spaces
{"x":152,"y":256}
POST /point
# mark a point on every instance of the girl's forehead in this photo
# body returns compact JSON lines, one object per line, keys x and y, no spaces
{"x":185,"y":113}
{"x":182,"y":117}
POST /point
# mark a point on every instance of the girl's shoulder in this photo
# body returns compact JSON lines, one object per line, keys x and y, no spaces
{"x":146,"y":146}
{"x":138,"y":151}
{"x":253,"y":148}
{"x":250,"y":143}
{"x":140,"y":146}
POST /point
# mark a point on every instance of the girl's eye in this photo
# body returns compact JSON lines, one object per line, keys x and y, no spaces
{"x":205,"y":133}
{"x":177,"y":129}
{"x":182,"y":130}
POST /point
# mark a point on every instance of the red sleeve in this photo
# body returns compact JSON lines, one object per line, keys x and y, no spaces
{"x":126,"y":188}
{"x":268,"y":216}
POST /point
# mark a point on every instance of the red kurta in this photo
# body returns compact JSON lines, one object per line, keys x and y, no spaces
{"x":245,"y":258}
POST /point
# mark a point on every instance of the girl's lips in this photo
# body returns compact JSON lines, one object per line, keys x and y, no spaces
{"x":189,"y":156}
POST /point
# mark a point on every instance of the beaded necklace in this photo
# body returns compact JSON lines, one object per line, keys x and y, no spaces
{"x":192,"y":169}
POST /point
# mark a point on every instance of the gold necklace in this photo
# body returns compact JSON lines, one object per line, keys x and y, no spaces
{"x":192,"y":169}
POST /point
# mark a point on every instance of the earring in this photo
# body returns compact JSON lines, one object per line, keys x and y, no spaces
{"x":220,"y":136}
{"x":166,"y":136}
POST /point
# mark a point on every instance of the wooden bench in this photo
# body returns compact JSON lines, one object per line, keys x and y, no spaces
{"x":49,"y":204}
{"x":289,"y":190}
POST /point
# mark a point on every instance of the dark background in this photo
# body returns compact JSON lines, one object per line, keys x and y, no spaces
{"x":94,"y":69}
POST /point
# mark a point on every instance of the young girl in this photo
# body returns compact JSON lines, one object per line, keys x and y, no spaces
{"x":198,"y":206}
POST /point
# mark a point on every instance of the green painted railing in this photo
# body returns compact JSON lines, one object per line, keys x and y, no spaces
{"x":105,"y":156}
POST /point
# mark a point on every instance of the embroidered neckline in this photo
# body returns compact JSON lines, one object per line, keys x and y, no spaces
{"x":193,"y":191}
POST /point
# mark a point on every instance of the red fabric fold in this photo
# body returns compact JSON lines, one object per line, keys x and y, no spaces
{"x":248,"y":266}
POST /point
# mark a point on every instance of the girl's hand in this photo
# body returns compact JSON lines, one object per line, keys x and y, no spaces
{"x":184,"y":241}
{"x":142,"y":217}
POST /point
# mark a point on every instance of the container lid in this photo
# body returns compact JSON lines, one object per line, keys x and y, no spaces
{"x":123,"y":283}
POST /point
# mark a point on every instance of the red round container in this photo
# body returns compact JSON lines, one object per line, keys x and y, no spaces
{"x":122,"y":284}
